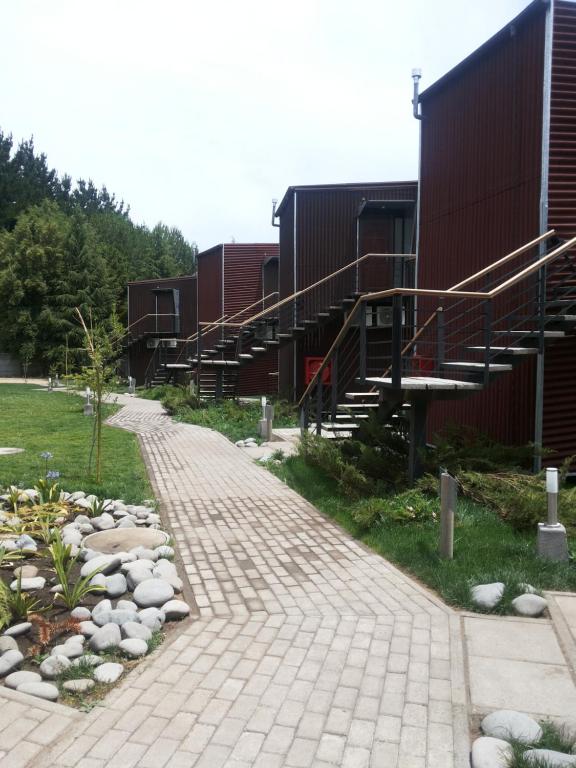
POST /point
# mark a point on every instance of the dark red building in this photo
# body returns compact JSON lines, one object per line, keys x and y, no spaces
{"x":324,"y":228}
{"x":498,"y":167}
{"x":236,"y":281}
{"x":160,"y":311}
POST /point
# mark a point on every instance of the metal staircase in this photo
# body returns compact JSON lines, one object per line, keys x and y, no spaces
{"x":223,"y":347}
{"x":444,"y":344}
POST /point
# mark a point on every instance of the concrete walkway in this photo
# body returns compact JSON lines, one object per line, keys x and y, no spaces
{"x":306,"y":649}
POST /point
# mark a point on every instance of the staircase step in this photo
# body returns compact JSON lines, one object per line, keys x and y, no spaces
{"x":360,"y":406}
{"x":246,"y":356}
{"x":258,"y":349}
{"x":426,"y":383}
{"x":333,"y":426}
{"x":296,"y":329}
{"x":507,"y":350}
{"x":322,"y":315}
{"x":354,"y":395}
{"x":468,"y":366}
{"x":310,"y":322}
{"x":534,"y":334}
{"x":271,"y":342}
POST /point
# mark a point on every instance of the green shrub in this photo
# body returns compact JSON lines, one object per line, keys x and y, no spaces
{"x":324,"y":454}
{"x":368,"y":511}
{"x":411,"y":506}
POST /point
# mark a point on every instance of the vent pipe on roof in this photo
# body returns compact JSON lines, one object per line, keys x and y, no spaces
{"x":416,"y":75}
{"x":274,"y":204}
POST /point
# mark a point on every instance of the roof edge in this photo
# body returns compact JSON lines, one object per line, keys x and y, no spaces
{"x":345,"y":185}
{"x":536,"y":6}
{"x":161,"y":279}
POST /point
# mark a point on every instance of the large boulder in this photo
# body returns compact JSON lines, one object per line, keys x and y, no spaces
{"x":549,"y":758}
{"x":491,"y":753}
{"x":529,"y":605}
{"x":487,"y":595}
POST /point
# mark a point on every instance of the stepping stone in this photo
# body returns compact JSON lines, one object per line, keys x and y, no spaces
{"x":18,"y":678}
{"x":549,"y":758}
{"x":108,"y":673}
{"x":53,"y":666}
{"x":41,"y":690}
{"x":9,"y":661}
{"x":491,"y":753}
{"x":507,"y":724}
{"x":7,"y":644}
{"x":134,"y":630}
{"x":487,"y":595}
{"x":19,"y":629}
{"x":175,"y":609}
{"x":134,"y":647}
{"x":81,"y":685}
{"x":153,"y":593}
{"x":106,"y":637}
{"x":529,"y":605}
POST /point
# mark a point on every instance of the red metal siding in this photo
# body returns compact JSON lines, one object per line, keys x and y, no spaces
{"x":141,"y":302}
{"x":560,"y":364}
{"x":480,"y":193}
{"x":242,"y":287}
{"x":210,"y":298}
{"x":324,"y":221}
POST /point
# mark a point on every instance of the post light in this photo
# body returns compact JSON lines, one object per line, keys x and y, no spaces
{"x":88,"y":407}
{"x":49,"y":383}
{"x":552,"y":542}
{"x":552,"y":491}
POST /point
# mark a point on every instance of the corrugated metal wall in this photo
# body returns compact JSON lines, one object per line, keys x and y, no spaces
{"x":324,"y":222}
{"x":210,"y":296}
{"x":560,"y":364}
{"x":480,"y":192}
{"x":141,"y":302}
{"x":243,"y":286}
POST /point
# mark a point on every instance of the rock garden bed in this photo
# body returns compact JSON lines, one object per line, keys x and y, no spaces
{"x":87,"y":588}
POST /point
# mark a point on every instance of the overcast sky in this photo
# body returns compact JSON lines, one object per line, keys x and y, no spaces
{"x":198,"y":113}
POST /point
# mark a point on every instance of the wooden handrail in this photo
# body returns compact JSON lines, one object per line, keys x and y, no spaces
{"x":451,"y":292}
{"x":325,"y":279}
{"x":504,"y":260}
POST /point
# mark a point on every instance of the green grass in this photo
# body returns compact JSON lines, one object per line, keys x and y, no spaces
{"x":486,"y":549}
{"x":554,"y":737}
{"x":38,"y":421}
{"x":237,"y":421}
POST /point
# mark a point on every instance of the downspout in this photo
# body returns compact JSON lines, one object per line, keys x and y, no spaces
{"x":295,"y":274}
{"x":274,"y":204}
{"x":417,"y":114}
{"x":546,"y":99}
{"x":222,"y":299}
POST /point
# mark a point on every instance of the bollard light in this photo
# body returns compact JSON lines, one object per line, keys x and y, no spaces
{"x":552,"y":491}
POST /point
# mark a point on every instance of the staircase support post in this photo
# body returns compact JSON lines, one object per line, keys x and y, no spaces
{"x":488,"y":309}
{"x":334,"y":386}
{"x":304,"y":422}
{"x":218,"y":385}
{"x":362,"y":327}
{"x":319,"y":404}
{"x":441,"y":338}
{"x":539,"y":405}
{"x":418,"y":414}
{"x":397,"y":342}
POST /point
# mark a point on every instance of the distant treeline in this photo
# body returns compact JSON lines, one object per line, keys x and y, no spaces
{"x":66,"y":245}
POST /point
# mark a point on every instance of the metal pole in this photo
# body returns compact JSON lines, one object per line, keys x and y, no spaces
{"x":334,"y":385}
{"x":319,"y":404}
{"x":448,"y":498}
{"x":487,"y":339}
{"x":552,"y":492}
{"x":441,"y":338}
{"x":397,"y":342}
{"x":362,"y":328}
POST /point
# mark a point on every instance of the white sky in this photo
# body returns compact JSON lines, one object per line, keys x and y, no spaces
{"x":198,"y":112}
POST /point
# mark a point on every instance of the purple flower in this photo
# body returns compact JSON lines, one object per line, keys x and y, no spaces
{"x":46,"y":455}
{"x":52,"y":474}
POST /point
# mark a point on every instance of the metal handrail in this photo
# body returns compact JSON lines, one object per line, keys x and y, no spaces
{"x":509,"y":283}
{"x":325,"y":279}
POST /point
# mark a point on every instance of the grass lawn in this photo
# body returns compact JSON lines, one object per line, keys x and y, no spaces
{"x":38,"y":421}
{"x":486,"y":549}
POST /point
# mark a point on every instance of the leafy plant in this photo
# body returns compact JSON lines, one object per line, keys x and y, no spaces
{"x":10,"y":555}
{"x":13,"y":493}
{"x":5,"y":613}
{"x":321,"y":453}
{"x":71,"y":594}
{"x":97,"y":507}
{"x":47,"y":488}
{"x":368,"y":511}
{"x":21,"y":604}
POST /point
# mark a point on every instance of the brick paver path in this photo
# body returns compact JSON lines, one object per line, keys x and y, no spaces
{"x":307,"y":649}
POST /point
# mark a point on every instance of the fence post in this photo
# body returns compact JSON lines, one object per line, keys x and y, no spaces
{"x":448,"y":497}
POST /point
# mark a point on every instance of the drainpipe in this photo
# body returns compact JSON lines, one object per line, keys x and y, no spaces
{"x":416,"y":75}
{"x":539,"y":394}
{"x":274,"y":204}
